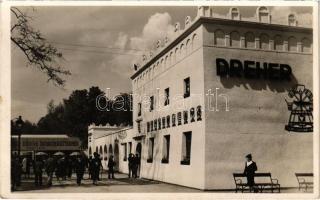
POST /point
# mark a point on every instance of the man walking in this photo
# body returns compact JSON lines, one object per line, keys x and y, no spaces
{"x":90,"y":167}
{"x":80,"y":167}
{"x":130,"y":164}
{"x":96,"y":162}
{"x":15,"y":172}
{"x":137,"y":165}
{"x":111,"y":165}
{"x":50,"y":168}
{"x":249,"y":171}
{"x":38,"y":170}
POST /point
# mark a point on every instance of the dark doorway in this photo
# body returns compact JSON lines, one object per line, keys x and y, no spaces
{"x":116,"y":157}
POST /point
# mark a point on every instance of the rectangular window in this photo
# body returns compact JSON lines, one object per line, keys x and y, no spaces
{"x":186,"y":87}
{"x":166,"y":149}
{"x":173,"y":119}
{"x":151,"y":126}
{"x":166,"y":96}
{"x":185,"y":117}
{"x":125,"y":152}
{"x":148,"y":127}
{"x":155,"y":124}
{"x":168,"y":121}
{"x":139,"y":109}
{"x":139,"y":126}
{"x":130,"y":147}
{"x":179,"y":118}
{"x":150,"y":150}
{"x":151,"y":103}
{"x":186,"y":148}
{"x":159,"y":123}
{"x":163,"y":122}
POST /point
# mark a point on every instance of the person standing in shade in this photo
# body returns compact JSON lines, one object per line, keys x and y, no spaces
{"x":96,"y":162}
{"x":80,"y":167}
{"x":137,"y":165}
{"x":28,"y":167}
{"x":38,"y":170}
{"x":15,"y":170}
{"x":130,"y":164}
{"x":50,"y":168}
{"x":24,"y":166}
{"x":134,"y":166}
{"x":90,"y":166}
{"x":249,"y":171}
{"x":111,"y":165}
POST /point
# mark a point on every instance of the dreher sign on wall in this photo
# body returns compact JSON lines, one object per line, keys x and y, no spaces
{"x":253,"y":69}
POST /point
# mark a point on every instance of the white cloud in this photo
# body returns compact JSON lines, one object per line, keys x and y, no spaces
{"x":158,"y":27}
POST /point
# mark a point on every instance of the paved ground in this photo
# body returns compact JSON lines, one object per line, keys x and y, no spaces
{"x":119,"y":185}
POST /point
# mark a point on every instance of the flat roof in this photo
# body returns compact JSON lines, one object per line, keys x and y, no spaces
{"x":220,"y":21}
{"x":42,"y":136}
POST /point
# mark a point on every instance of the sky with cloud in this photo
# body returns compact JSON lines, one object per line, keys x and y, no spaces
{"x":100,"y":44}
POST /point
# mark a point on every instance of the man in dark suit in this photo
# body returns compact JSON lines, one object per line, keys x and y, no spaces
{"x":249,"y":170}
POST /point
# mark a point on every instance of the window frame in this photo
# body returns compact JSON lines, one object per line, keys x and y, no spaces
{"x":166,"y":144}
{"x":166,"y":96}
{"x":150,"y":157}
{"x":186,"y":155}
{"x":186,"y":87}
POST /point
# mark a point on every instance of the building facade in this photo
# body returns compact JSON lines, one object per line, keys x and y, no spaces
{"x":217,"y":92}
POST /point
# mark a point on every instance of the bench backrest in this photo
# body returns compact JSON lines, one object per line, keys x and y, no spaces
{"x":260,"y":177}
{"x":238,"y":175}
{"x":304,"y":174}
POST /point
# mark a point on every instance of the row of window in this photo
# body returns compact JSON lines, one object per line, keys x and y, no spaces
{"x":186,"y":88}
{"x":169,"y":59}
{"x":105,"y":151}
{"x":263,"y":41}
{"x":165,"y":122}
{"x":185,"y":151}
{"x":125,"y":150}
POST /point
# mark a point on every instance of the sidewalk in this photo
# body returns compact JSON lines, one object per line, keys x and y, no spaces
{"x":122,"y":184}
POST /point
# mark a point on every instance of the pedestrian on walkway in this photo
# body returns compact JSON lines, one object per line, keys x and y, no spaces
{"x":90,"y":167}
{"x":101,"y":168}
{"x":137,"y":165}
{"x":96,"y":168}
{"x":249,"y":171}
{"x":60,"y":169}
{"x":80,"y":167}
{"x":69,"y":166}
{"x":111,"y":165}
{"x":50,"y":166}
{"x":134,"y":166}
{"x":24,"y":167}
{"x":38,"y":170}
{"x":130,"y":164}
{"x":28,"y":166}
{"x":15,"y":172}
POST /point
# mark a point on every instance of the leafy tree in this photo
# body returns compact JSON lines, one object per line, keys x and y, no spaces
{"x":36,"y":49}
{"x":78,"y":111}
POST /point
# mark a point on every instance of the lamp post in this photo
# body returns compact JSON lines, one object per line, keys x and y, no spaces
{"x":19,"y":124}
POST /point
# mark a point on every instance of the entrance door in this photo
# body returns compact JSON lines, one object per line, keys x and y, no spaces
{"x":116,"y":157}
{"x":138,"y":149}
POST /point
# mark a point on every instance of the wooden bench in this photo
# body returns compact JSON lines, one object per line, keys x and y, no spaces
{"x":267,"y":183}
{"x":304,"y":180}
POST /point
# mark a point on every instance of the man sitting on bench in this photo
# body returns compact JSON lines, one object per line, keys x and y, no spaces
{"x":249,"y":170}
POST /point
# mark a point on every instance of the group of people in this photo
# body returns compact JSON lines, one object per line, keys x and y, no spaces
{"x":134,"y":162}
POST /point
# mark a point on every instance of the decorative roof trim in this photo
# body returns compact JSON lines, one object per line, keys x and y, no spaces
{"x":220,"y":21}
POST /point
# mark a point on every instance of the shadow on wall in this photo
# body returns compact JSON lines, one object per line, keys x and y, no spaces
{"x":278,"y":86}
